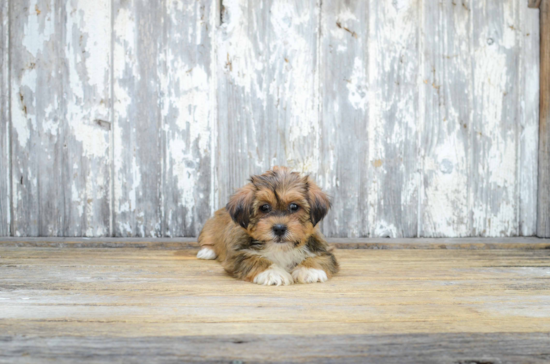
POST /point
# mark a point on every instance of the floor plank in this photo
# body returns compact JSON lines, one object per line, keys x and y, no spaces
{"x":144,"y":305}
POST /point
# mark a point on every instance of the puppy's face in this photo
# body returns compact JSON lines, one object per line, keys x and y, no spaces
{"x":279,"y":207}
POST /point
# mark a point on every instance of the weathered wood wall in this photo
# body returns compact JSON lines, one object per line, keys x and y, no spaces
{"x":139,"y":118}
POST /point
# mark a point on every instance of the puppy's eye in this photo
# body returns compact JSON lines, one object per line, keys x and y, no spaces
{"x":293,"y":207}
{"x":265,"y":208}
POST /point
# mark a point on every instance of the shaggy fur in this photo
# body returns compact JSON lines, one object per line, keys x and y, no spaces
{"x":244,"y":238}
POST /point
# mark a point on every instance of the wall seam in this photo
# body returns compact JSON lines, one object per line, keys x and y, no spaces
{"x":518,"y":120}
{"x":162,"y":65}
{"x":421,"y":120}
{"x":11,"y":222}
{"x":216,"y":15}
{"x":112,"y":134}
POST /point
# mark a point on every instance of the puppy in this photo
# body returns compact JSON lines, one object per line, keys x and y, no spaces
{"x":267,"y":232}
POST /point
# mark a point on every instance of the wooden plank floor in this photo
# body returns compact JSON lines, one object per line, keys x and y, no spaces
{"x":386,"y":306}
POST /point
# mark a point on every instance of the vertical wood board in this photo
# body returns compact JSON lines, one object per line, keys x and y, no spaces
{"x":528,"y":33}
{"x":188,"y":114}
{"x":138,"y":155}
{"x":343,"y":88}
{"x":60,"y":92}
{"x":393,"y":114}
{"x":494,"y":136}
{"x":445,"y":123}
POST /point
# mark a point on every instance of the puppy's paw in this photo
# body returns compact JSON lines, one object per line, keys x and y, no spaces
{"x":206,"y":253}
{"x":309,"y":275}
{"x":274,"y":276}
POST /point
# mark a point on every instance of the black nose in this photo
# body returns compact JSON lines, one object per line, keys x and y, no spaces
{"x":279,"y":229}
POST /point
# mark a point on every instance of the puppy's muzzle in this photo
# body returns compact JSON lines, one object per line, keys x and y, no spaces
{"x":279,"y":230}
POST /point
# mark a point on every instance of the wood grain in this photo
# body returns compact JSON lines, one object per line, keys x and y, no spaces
{"x":164,"y":117}
{"x":463,"y":348}
{"x":68,"y":304}
{"x":188,"y":114}
{"x":138,"y":154}
{"x":494,"y":151}
{"x":445,"y":123}
{"x":393,"y":114}
{"x":268,"y":109}
{"x":344,"y":64}
{"x":60,"y":97}
{"x":4,"y":121}
{"x":543,"y":226}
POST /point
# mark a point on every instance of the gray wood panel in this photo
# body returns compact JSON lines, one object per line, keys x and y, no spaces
{"x":60,"y":97}
{"x":164,"y":117}
{"x":344,"y":65}
{"x":138,"y":156}
{"x":494,"y":148}
{"x":543,"y":226}
{"x":268,"y":108}
{"x":4,"y":121}
{"x":188,"y":114}
{"x":445,"y":122}
{"x":394,"y":171}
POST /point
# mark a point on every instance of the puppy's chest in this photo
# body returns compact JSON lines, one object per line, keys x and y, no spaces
{"x":286,"y":259}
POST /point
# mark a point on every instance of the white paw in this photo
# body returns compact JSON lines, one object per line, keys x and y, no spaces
{"x":206,"y":253}
{"x":274,"y":276}
{"x":309,"y":275}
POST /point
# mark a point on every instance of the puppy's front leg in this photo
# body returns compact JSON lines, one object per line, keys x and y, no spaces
{"x":316,"y":269}
{"x":253,"y":268}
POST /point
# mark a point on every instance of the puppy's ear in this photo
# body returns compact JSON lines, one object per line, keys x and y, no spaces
{"x":319,"y":203}
{"x":240,"y":205}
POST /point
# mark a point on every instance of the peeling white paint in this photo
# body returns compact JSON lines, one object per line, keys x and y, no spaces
{"x":357,"y":85}
{"x":385,"y":129}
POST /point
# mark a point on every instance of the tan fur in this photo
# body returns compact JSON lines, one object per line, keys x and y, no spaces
{"x":242,"y":237}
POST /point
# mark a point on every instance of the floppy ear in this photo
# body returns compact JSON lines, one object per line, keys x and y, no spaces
{"x":240,"y":205}
{"x":319,"y":203}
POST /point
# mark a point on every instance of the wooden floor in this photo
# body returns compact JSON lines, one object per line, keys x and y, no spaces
{"x":386,"y":306}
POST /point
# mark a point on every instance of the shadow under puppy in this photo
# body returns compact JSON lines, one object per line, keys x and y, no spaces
{"x":267,"y":232}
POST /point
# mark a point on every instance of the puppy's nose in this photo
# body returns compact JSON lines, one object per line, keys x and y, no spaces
{"x":279,"y":229}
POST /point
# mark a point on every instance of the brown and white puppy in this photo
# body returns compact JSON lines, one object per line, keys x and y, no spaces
{"x":267,"y":232}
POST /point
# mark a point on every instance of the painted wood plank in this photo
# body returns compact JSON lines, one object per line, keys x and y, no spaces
{"x":445,"y":122}
{"x":494,"y":133}
{"x":528,"y":43}
{"x":393,"y":113}
{"x":188,"y":113}
{"x":543,"y":226}
{"x":60,"y":97}
{"x":344,"y":62}
{"x":268,"y":88}
{"x":4,"y":121}
{"x":138,"y":154}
